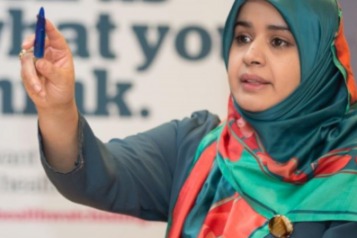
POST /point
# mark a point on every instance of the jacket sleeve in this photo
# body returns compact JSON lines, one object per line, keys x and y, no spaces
{"x":135,"y":175}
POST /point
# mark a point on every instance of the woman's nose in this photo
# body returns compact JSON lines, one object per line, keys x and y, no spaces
{"x":254,"y":54}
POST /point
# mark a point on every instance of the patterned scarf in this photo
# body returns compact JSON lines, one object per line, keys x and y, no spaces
{"x":298,"y":158}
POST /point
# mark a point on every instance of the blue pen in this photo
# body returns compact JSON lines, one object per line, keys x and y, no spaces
{"x":39,"y":48}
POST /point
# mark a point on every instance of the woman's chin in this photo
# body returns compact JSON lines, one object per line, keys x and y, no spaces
{"x":253,"y":105}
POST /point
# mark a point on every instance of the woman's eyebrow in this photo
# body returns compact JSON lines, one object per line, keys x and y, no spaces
{"x":279,"y":28}
{"x":269,"y":27}
{"x":243,"y":23}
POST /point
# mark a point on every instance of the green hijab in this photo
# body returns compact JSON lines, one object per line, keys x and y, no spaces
{"x":312,"y":120}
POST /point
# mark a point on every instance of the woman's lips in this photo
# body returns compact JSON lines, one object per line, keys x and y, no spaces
{"x":253,"y":82}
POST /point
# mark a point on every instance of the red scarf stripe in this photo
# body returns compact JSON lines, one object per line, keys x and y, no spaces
{"x":228,"y":146}
{"x":243,"y":220}
{"x":344,"y":56}
{"x":191,"y":189}
{"x":217,"y":217}
{"x":250,"y":141}
{"x":234,"y":218}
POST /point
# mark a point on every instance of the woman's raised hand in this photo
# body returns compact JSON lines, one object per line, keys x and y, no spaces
{"x":50,"y":84}
{"x":50,"y":81}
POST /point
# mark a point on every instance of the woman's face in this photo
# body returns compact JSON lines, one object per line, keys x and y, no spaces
{"x":264,"y":66}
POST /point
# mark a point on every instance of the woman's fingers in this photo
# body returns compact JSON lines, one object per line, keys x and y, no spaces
{"x":54,"y":38}
{"x":56,"y":48}
{"x":29,"y":42}
{"x":49,"y":80}
{"x":29,"y":75}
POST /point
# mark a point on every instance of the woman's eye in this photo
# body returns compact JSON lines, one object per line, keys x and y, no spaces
{"x":242,"y":39}
{"x":277,"y":42}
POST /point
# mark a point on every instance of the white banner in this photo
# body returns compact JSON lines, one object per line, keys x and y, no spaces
{"x":138,"y":64}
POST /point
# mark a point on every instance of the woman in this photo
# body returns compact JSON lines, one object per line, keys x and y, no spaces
{"x":283,"y":163}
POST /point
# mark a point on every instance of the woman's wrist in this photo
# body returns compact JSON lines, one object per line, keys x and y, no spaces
{"x":59,"y":131}
{"x":58,"y":112}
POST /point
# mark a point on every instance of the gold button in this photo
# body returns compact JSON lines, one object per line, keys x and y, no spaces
{"x":280,"y":226}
